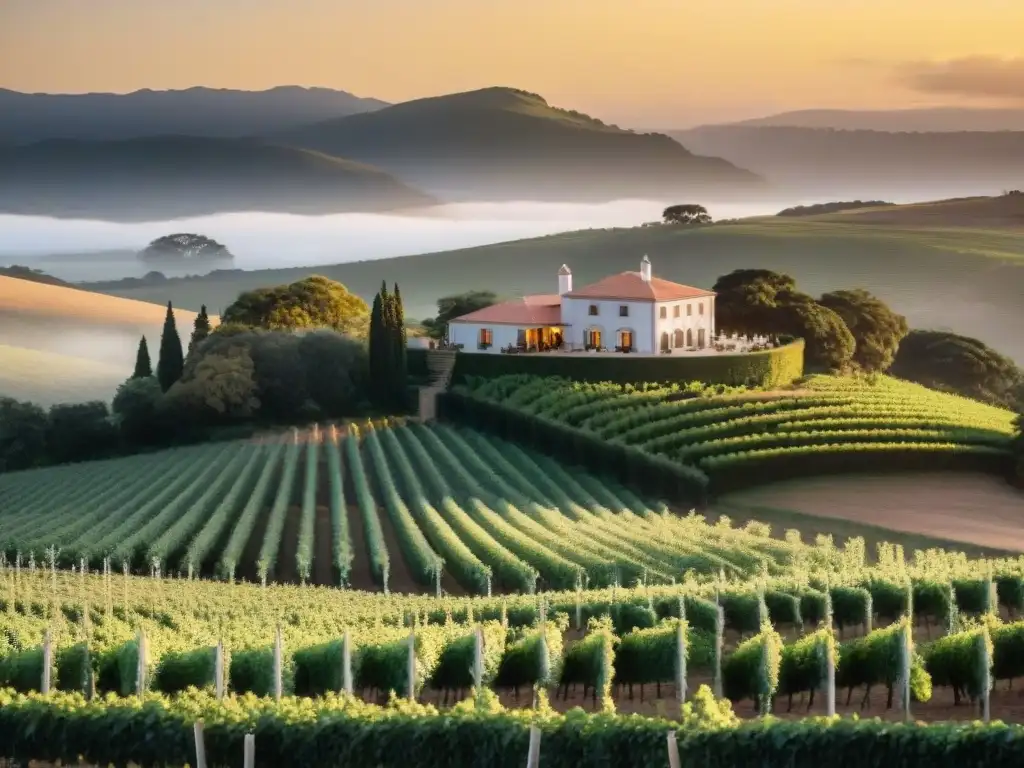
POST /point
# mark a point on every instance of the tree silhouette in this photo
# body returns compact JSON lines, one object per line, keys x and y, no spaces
{"x":143,"y":366}
{"x":200,"y":329}
{"x":185,"y":246}
{"x":686,"y":213}
{"x":172,"y":360}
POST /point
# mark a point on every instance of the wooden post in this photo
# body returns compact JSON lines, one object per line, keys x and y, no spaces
{"x":249,"y":747}
{"x":346,"y":664}
{"x":278,"y":670}
{"x":533,"y":757}
{"x":411,"y":667}
{"x":218,"y":669}
{"x":200,"y":745}
{"x":719,"y":637}
{"x":579,"y":610}
{"x":140,"y":671}
{"x":986,"y":675}
{"x":830,"y":681}
{"x":680,"y":662}
{"x":47,"y":661}
{"x":478,"y":659}
{"x":673,"y":750}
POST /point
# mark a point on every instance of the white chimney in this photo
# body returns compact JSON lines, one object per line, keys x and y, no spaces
{"x":564,"y":280}
{"x":645,"y":270}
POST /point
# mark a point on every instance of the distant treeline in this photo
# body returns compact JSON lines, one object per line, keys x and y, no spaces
{"x":851,"y":205}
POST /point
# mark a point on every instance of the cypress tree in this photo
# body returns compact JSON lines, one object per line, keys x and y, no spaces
{"x":400,"y":370}
{"x":376,"y":348}
{"x":172,"y":360}
{"x":143,"y":366}
{"x":200,"y":329}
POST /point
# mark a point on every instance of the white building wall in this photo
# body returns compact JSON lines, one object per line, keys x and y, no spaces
{"x":640,"y":320}
{"x":468,"y":334}
{"x":677,"y":328}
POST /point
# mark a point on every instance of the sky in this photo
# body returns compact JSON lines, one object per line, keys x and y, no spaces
{"x":638,"y":63}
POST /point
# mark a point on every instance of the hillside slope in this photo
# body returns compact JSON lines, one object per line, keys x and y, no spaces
{"x":502,"y":143}
{"x":31,"y":117}
{"x":177,"y":176}
{"x":60,"y":343}
{"x":870,"y":164}
{"x":924,"y":119}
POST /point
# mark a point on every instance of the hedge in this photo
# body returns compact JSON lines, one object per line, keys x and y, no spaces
{"x":340,"y":734}
{"x":769,"y":368}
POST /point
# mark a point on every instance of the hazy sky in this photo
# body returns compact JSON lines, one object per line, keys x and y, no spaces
{"x":642,"y":63}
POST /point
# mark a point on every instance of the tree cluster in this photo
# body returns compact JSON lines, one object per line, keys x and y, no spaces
{"x":31,"y":436}
{"x":185,"y":246}
{"x":387,"y":350}
{"x":686,"y":213}
{"x":449,"y":307}
{"x":315,"y":302}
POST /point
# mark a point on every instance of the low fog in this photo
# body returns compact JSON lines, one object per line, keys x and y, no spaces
{"x":82,"y":250}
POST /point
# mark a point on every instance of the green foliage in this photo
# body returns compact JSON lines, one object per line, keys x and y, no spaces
{"x":752,"y":670}
{"x":315,"y":302}
{"x":388,"y":365}
{"x":185,"y":247}
{"x":178,"y":671}
{"x":143,"y":367}
{"x":200,"y":330}
{"x":876,"y":329}
{"x":590,"y":661}
{"x":449,"y":307}
{"x":171,"y":362}
{"x":951,"y":363}
{"x":521,"y":665}
{"x":686,"y":213}
{"x":80,"y":432}
{"x":22,"y":435}
{"x":135,"y":410}
{"x":252,"y":671}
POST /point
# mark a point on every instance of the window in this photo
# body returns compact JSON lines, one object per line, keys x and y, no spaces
{"x":592,"y":338}
{"x":593,"y":309}
{"x":700,"y":307}
{"x":486,"y":338}
{"x":663,"y":313}
{"x":689,"y":309}
{"x":675,"y":311}
{"x":623,"y":310}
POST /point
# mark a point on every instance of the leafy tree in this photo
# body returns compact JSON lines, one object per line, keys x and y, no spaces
{"x":200,"y":329}
{"x":315,"y":302}
{"x":828,"y":342}
{"x":143,"y":366}
{"x":876,"y":329}
{"x":686,"y":213}
{"x":460,"y":304}
{"x":400,"y":343}
{"x":172,"y":361}
{"x":80,"y":432}
{"x":135,"y":411}
{"x":185,"y":246}
{"x":952,"y":363}
{"x":337,"y":374}
{"x":221,"y":386}
{"x":22,"y":434}
{"x":387,"y":350}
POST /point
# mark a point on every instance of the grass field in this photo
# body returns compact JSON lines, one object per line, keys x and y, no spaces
{"x":60,"y":344}
{"x":966,"y":280}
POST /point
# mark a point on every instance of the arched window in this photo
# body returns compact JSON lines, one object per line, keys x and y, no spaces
{"x":592,"y":337}
{"x":664,"y":341}
{"x":678,"y":338}
{"x":689,"y":337}
{"x":701,"y":341}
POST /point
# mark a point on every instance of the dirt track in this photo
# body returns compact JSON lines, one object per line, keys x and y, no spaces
{"x":972,"y":508}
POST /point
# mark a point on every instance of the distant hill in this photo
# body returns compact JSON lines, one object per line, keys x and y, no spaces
{"x":29,"y":117}
{"x":32,"y":275}
{"x":66,"y":344}
{"x":987,"y":213}
{"x":868,"y":164}
{"x":503,"y":143}
{"x":176,"y":176}
{"x":958,"y":278}
{"x":848,"y":205}
{"x":925,"y":120}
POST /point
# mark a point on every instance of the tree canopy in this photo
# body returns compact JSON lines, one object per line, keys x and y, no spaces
{"x":315,"y":302}
{"x":200,"y":329}
{"x":952,"y":363}
{"x":686,"y":213}
{"x":185,"y":246}
{"x":876,"y":329}
{"x":460,"y":304}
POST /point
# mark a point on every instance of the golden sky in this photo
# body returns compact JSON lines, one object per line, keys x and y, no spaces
{"x":641,"y":63}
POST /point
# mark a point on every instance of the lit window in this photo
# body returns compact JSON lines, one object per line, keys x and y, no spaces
{"x":593,"y":309}
{"x":623,"y":310}
{"x":486,"y":338}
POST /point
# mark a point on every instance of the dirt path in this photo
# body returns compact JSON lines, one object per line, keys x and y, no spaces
{"x":247,"y":564}
{"x":323,"y":548}
{"x":360,"y":573}
{"x":972,"y":508}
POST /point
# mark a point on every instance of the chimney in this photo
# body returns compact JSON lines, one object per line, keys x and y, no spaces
{"x":645,"y":270}
{"x":564,"y":280}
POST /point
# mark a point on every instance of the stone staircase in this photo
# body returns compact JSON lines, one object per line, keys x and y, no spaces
{"x":440,"y":365}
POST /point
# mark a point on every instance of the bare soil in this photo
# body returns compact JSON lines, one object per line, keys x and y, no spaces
{"x":323,"y":548}
{"x":972,"y":508}
{"x":286,"y":571}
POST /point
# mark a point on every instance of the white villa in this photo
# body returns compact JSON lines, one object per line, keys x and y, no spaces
{"x":628,"y":312}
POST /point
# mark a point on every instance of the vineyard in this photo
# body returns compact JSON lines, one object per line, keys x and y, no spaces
{"x":724,"y":438}
{"x":399,"y":508}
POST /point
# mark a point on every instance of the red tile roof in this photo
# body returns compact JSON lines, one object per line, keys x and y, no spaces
{"x":540,"y":310}
{"x":631,"y":286}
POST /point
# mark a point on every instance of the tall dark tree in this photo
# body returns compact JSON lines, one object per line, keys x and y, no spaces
{"x":377,"y":349}
{"x":399,"y":372}
{"x":143,"y":365}
{"x":172,"y":359}
{"x":200,"y":329}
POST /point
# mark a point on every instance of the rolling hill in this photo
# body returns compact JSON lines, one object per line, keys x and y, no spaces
{"x":924,"y":120}
{"x":502,"y":143}
{"x":176,"y":176}
{"x":59,"y":344}
{"x":868,"y":163}
{"x":31,"y":117}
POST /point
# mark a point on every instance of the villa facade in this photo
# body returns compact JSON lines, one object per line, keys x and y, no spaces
{"x":628,"y":312}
